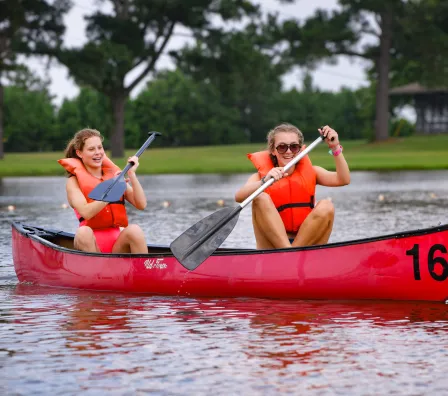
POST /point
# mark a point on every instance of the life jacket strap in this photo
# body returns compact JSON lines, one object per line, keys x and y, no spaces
{"x":298,"y":205}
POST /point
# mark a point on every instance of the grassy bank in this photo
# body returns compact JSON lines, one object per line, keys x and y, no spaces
{"x":417,"y":152}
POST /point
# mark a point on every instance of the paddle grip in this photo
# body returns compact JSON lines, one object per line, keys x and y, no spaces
{"x":324,"y":137}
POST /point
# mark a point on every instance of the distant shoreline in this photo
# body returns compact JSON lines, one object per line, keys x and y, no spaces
{"x":412,"y":153}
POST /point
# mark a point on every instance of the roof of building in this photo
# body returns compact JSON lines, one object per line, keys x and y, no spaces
{"x":415,"y":88}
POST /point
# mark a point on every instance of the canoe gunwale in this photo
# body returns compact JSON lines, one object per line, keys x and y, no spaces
{"x":20,"y":227}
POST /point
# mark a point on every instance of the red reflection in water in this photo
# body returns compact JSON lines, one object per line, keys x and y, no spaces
{"x":92,"y":315}
{"x":95,"y":308}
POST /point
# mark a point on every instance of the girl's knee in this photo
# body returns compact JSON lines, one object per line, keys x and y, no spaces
{"x":262,"y":200}
{"x":324,"y":208}
{"x":84,"y":233}
{"x":134,"y":228}
{"x":134,"y":231}
{"x":85,"y":239}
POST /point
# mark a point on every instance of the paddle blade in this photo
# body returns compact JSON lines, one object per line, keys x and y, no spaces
{"x":109,"y":190}
{"x":197,"y":243}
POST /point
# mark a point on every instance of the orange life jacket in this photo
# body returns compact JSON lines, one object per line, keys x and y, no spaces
{"x":293,"y":196}
{"x":114,"y":214}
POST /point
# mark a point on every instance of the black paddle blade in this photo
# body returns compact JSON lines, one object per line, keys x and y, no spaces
{"x":109,"y":190}
{"x":197,"y":243}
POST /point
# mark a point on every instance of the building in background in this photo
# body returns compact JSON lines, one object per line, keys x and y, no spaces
{"x":431,"y":106}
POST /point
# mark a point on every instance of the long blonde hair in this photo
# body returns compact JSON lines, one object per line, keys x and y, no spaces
{"x":78,"y":141}
{"x":283,"y":127}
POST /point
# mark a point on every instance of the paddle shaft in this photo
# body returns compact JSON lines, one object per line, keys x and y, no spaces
{"x":140,"y":152}
{"x":131,"y":164}
{"x":271,"y":181}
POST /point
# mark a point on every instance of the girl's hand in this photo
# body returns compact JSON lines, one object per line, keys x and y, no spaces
{"x":276,"y":174}
{"x":126,"y":179}
{"x":330,"y":134}
{"x":133,"y":169}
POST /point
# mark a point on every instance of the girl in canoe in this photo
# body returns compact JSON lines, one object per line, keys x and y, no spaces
{"x":285,"y":214}
{"x":103,"y":226}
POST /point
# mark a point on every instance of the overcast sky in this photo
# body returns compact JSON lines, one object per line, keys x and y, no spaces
{"x":347,"y":72}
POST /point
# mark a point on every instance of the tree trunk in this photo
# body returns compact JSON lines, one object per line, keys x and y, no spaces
{"x":382,"y":88}
{"x":1,"y":121}
{"x":117,"y":138}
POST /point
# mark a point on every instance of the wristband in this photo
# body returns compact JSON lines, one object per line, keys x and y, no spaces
{"x":336,"y":152}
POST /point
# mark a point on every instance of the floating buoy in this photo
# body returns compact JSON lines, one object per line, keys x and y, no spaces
{"x":166,"y":204}
{"x":11,"y":208}
{"x":220,"y":202}
{"x":64,"y":206}
{"x":381,"y":197}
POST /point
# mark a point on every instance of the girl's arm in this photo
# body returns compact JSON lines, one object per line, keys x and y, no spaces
{"x":77,"y":200}
{"x":134,"y":192}
{"x":342,"y":175}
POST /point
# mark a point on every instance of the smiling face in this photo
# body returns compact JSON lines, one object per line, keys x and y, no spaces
{"x":288,"y":141}
{"x":92,"y":153}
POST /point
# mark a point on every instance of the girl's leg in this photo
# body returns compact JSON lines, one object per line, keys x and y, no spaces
{"x":269,"y":230}
{"x":131,"y":240}
{"x":85,"y":240}
{"x":316,"y":228}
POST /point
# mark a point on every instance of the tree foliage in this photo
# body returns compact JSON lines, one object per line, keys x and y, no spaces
{"x":89,"y":109}
{"x":227,"y":87}
{"x":132,"y":39}
{"x":27,"y":28}
{"x":394,"y":25}
{"x":246,"y":67}
{"x":424,"y":43}
{"x":186,"y":111}
{"x":30,"y":120}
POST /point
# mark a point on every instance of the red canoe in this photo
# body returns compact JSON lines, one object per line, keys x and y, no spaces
{"x":410,"y":265}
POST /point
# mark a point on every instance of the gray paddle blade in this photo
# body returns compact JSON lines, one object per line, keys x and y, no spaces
{"x":197,"y":243}
{"x":109,"y":190}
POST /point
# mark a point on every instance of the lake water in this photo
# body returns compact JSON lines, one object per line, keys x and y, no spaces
{"x":55,"y":341}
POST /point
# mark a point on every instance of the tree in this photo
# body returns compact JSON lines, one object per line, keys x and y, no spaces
{"x":89,"y":109}
{"x":348,"y":112}
{"x":27,"y":28}
{"x":246,"y":67}
{"x":132,"y":39}
{"x":393,"y":24}
{"x":426,"y":59}
{"x":30,"y":122}
{"x":186,"y":111}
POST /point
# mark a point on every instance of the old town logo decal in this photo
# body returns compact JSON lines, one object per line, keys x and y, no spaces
{"x":155,"y":264}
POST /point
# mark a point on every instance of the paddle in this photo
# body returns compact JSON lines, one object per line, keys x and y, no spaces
{"x":112,"y":190}
{"x":197,"y":243}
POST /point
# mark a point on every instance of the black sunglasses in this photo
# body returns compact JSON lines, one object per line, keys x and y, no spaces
{"x":282,"y":148}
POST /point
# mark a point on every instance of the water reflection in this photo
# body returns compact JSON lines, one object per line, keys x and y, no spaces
{"x":88,"y":320}
{"x":95,"y":314}
{"x":83,"y":340}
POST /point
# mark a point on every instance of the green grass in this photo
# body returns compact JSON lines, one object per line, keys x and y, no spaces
{"x":416,"y":152}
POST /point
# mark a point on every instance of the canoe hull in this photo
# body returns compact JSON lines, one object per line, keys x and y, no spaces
{"x":407,"y":266}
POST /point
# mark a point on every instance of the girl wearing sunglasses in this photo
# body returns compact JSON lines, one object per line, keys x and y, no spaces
{"x":285,"y":214}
